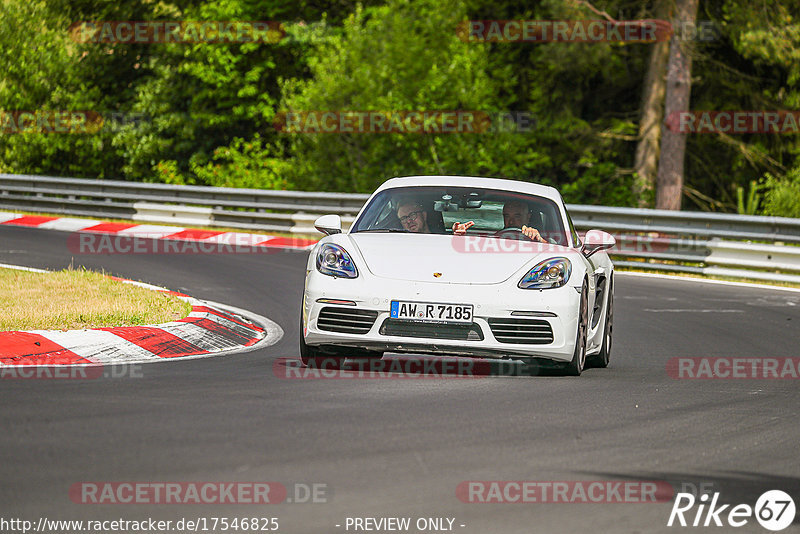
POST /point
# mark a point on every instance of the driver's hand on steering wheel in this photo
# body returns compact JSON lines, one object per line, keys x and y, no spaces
{"x":533,"y":234}
{"x":461,"y":228}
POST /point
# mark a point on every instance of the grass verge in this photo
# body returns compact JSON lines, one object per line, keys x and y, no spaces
{"x":74,"y":299}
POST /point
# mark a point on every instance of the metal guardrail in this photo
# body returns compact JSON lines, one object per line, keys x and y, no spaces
{"x":721,"y":225}
{"x":231,"y":207}
{"x":648,"y":239}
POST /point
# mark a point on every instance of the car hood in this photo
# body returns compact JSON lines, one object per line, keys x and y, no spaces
{"x":457,"y":259}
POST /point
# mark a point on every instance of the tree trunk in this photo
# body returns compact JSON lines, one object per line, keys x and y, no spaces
{"x":679,"y":85}
{"x":651,"y":115}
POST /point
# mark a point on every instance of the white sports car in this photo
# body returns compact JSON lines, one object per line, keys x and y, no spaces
{"x":411,"y":276}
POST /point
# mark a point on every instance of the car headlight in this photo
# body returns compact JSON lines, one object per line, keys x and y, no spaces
{"x":547,"y":274}
{"x":333,"y":260}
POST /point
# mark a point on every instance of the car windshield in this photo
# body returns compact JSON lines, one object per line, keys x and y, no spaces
{"x":434,"y":210}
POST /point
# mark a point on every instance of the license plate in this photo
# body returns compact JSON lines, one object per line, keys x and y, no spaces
{"x":431,"y":312}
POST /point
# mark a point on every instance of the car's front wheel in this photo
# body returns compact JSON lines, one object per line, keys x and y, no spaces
{"x":314,"y":357}
{"x":575,"y":367}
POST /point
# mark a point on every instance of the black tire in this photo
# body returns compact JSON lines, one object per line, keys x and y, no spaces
{"x":576,"y":366}
{"x":314,"y":357}
{"x":602,"y":358}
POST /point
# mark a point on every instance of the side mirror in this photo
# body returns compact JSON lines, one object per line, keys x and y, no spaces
{"x":329,"y":224}
{"x":596,"y":240}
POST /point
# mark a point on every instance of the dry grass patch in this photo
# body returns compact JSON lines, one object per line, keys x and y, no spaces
{"x":73,"y":299}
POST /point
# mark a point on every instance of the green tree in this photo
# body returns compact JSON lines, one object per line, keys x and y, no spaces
{"x":397,"y":57}
{"x":782,"y":196}
{"x":748,"y":65}
{"x":211,"y":102}
{"x":44,"y":67}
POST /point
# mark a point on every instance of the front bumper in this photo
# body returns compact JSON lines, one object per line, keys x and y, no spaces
{"x":490,"y":301}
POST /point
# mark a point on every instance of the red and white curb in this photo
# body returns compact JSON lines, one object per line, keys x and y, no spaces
{"x":156,"y":232}
{"x":211,"y":329}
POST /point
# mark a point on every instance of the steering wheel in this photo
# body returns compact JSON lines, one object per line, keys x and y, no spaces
{"x":512,"y":232}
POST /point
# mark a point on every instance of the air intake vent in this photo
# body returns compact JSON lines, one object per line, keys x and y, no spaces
{"x":346,"y":320}
{"x":463,"y":332}
{"x":522,"y":331}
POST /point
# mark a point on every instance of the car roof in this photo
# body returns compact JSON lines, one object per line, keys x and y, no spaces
{"x":474,"y":181}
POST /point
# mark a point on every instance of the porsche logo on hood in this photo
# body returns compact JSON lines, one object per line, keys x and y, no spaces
{"x":437,"y":275}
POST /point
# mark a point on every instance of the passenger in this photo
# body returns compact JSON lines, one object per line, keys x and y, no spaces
{"x":515,"y":215}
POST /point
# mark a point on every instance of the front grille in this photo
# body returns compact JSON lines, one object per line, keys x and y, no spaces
{"x":346,"y":320}
{"x":463,"y":332}
{"x":522,"y":331}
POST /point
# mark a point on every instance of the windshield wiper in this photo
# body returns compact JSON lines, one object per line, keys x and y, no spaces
{"x":383,"y":230}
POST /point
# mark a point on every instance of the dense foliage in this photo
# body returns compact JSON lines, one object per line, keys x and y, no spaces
{"x":206,"y":113}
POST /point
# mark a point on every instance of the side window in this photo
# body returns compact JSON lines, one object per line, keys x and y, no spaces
{"x":551,"y":227}
{"x":386,"y":213}
{"x":575,"y":237}
{"x":382,"y":215}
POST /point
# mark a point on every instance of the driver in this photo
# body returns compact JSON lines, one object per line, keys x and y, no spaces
{"x":413,"y":217}
{"x":515,"y":215}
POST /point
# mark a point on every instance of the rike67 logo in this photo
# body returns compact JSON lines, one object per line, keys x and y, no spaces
{"x":774,"y":510}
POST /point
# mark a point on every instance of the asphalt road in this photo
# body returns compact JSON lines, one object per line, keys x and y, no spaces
{"x":400,"y":448}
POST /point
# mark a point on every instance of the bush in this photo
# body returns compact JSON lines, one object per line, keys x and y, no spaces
{"x":782,"y":194}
